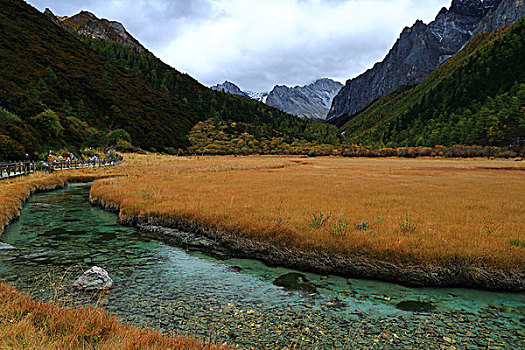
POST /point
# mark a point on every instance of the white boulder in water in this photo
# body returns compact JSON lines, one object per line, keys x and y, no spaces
{"x":94,"y":279}
{"x":5,"y":246}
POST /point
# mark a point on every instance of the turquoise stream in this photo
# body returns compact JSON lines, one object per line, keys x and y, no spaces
{"x":238,"y":301}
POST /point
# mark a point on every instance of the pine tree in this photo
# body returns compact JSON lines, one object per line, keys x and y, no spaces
{"x":106,"y":81}
{"x":67,"y":109}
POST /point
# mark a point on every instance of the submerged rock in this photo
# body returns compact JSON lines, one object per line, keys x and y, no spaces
{"x":95,"y":279}
{"x":295,"y":281}
{"x":415,"y":306}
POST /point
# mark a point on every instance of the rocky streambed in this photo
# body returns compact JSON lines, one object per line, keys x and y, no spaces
{"x":239,"y":301}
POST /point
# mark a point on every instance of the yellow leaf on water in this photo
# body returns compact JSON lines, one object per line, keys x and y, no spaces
{"x":449,"y":340}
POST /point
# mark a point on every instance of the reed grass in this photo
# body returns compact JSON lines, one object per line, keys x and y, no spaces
{"x":29,"y":324}
{"x":418,"y":210}
{"x":421,"y":211}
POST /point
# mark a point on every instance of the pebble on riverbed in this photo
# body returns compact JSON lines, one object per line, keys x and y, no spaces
{"x":5,"y":246}
{"x":94,"y":279}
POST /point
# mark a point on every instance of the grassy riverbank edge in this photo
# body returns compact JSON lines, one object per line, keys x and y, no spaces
{"x":322,"y":262}
{"x":26,"y":323}
{"x":31,"y":324}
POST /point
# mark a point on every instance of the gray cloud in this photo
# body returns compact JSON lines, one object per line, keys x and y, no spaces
{"x":261,"y":43}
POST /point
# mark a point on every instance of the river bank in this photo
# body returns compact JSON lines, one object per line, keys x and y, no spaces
{"x":417,"y":222}
{"x":31,"y":324}
{"x":217,"y":242}
{"x":15,"y":193}
{"x":39,"y":325}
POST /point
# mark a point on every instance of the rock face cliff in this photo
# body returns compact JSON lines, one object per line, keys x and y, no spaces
{"x":417,"y":53}
{"x":508,"y":12}
{"x":87,"y":24}
{"x":311,"y":101}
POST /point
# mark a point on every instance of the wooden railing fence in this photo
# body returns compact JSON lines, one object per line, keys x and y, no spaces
{"x":13,"y":169}
{"x":80,"y":164}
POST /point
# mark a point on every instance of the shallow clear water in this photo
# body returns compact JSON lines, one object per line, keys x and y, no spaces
{"x":235,"y":301}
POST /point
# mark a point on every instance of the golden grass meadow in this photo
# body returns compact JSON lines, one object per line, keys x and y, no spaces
{"x":415,"y":211}
{"x":418,"y":211}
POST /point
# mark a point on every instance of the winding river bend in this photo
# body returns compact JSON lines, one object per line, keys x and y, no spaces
{"x":238,"y":301}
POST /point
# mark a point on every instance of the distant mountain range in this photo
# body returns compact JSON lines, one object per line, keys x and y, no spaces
{"x":311,"y":101}
{"x":70,"y":81}
{"x":422,"y":48}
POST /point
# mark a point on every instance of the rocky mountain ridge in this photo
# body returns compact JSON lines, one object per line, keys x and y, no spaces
{"x":475,"y":98}
{"x":87,"y":24}
{"x":230,"y":88}
{"x":422,"y":48}
{"x":258,"y":96}
{"x":311,"y":101}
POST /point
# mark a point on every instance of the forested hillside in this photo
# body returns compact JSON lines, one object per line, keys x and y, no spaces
{"x":60,"y":89}
{"x":475,"y":98}
{"x":43,"y":67}
{"x":207,"y":102}
{"x":56,"y":91}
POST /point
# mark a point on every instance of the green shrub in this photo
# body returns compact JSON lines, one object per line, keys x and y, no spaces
{"x":408,"y":225}
{"x":116,"y":135}
{"x":340,"y":227}
{"x":48,"y":125}
{"x":318,"y":220}
{"x":517,"y":243}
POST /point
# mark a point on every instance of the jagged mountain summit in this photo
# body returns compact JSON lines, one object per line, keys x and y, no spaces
{"x":231,"y":88}
{"x":419,"y":50}
{"x":312,"y":101}
{"x":87,"y":24}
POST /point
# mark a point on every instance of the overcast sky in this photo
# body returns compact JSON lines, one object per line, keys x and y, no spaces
{"x":260,"y":43}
